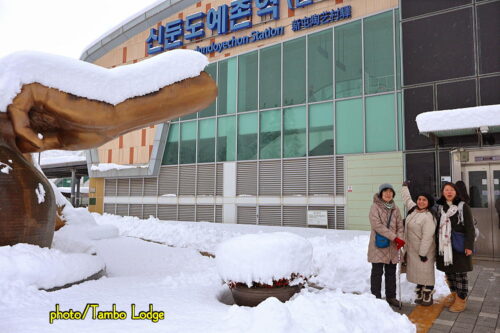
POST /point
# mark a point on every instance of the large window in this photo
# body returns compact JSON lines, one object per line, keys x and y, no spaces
{"x":247,"y":136}
{"x":332,"y":91}
{"x":320,"y":66}
{"x":247,"y":81}
{"x":349,"y":126}
{"x":294,"y":130}
{"x":226,"y":101}
{"x":294,"y":71}
{"x":188,"y":142}
{"x":210,"y":111}
{"x":226,"y":138}
{"x":380,"y":123}
{"x":321,"y":129}
{"x":379,"y":53}
{"x":171,"y":155}
{"x":270,"y":134}
{"x":206,"y":140}
{"x":348,"y":60}
{"x":270,"y":77}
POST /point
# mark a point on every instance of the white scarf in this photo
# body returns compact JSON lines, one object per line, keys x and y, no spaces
{"x":445,"y":234}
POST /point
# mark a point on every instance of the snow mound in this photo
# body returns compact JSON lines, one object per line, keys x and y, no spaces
{"x":45,"y":268}
{"x":84,"y":79}
{"x":309,"y":312}
{"x":263,"y":257}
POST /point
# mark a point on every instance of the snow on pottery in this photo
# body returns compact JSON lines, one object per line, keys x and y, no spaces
{"x":258,"y":266}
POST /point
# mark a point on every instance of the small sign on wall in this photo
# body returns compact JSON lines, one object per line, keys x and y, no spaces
{"x":317,"y":217}
{"x":349,"y":188}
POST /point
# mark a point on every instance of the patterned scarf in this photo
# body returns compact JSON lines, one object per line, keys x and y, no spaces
{"x":445,"y":234}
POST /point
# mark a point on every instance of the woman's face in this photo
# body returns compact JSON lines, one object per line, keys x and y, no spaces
{"x":422,"y":202}
{"x":387,"y":195}
{"x":449,"y":193}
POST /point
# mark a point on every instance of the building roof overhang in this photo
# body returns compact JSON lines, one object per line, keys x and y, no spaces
{"x":456,"y":122}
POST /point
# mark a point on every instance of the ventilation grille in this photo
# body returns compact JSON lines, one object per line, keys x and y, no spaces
{"x":148,"y":210}
{"x":220,"y":179}
{"x":136,"y":186}
{"x":270,"y":177}
{"x":340,"y":213}
{"x":246,"y":179}
{"x":187,"y":180}
{"x":294,"y":216}
{"x":123,"y":187}
{"x":122,"y":209}
{"x":294,"y":177}
{"x":110,"y":187}
{"x":135,"y":210}
{"x":246,"y":215}
{"x":205,"y":213}
{"x":321,"y":176}
{"x":187,"y":213}
{"x":340,"y":175}
{"x":270,"y":215}
{"x":110,"y":208}
{"x":167,"y":180}
{"x":151,"y":186}
{"x":206,"y":179}
{"x":167,"y":212}
{"x":218,"y":214}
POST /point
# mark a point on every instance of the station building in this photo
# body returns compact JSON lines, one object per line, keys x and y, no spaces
{"x":316,"y":108}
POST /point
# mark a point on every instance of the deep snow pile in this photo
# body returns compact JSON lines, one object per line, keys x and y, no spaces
{"x":85,"y":79}
{"x":264,"y":258}
{"x":32,"y":265}
{"x":339,"y":256}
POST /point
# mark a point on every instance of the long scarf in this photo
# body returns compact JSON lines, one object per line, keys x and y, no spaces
{"x":445,"y":234}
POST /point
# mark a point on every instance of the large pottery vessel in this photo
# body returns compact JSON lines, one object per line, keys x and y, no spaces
{"x":252,"y":296}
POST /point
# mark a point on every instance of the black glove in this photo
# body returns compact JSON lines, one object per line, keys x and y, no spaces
{"x":423,"y":258}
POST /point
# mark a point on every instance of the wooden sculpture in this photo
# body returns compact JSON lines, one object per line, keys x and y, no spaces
{"x":66,"y":121}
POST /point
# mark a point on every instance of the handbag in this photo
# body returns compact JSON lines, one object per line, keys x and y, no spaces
{"x":381,"y":241}
{"x":458,"y":241}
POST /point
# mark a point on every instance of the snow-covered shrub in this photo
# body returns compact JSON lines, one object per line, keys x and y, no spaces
{"x":265,"y":259}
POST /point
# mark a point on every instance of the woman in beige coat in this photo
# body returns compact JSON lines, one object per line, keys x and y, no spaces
{"x":385,"y":220}
{"x":420,"y":244}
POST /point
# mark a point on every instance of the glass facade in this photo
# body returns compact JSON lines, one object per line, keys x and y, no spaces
{"x":335,"y":91}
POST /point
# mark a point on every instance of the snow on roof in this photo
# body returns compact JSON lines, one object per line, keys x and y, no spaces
{"x":51,"y":157}
{"x":102,"y":167}
{"x":459,"y":119}
{"x":84,"y":79}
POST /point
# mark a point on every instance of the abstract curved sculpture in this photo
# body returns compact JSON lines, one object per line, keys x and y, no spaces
{"x":42,"y":118}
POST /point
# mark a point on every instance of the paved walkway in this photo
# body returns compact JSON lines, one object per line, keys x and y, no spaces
{"x":482,"y":314}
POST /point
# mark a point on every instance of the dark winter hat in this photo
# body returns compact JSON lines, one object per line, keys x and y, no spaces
{"x":385,"y":186}
{"x":429,"y":198}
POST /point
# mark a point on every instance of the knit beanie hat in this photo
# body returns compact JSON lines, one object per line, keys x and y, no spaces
{"x":428,"y":197}
{"x":385,"y":186}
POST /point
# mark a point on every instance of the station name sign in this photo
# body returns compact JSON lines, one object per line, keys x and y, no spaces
{"x":231,"y":18}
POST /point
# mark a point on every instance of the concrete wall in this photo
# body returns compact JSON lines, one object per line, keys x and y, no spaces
{"x":365,"y":173}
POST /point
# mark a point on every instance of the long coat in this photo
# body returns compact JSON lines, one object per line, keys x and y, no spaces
{"x":379,"y":214}
{"x":461,"y":262}
{"x":419,"y":236}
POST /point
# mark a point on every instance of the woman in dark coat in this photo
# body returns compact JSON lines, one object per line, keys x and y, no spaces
{"x":454,"y":217}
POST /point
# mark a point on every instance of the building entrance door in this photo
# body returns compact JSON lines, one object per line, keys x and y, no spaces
{"x":483,"y":183}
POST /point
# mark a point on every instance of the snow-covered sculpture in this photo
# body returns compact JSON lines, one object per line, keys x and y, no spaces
{"x":51,"y":102}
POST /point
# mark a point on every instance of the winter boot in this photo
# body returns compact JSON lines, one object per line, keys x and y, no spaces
{"x":418,"y":299}
{"x":450,"y":299}
{"x":459,"y":305}
{"x":427,"y":296}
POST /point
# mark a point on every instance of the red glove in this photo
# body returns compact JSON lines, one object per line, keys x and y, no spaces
{"x":399,"y":242}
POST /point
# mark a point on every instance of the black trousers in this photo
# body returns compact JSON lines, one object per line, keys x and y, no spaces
{"x":390,"y":280}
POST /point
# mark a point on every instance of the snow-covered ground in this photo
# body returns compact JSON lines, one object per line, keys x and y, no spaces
{"x":176,"y":279}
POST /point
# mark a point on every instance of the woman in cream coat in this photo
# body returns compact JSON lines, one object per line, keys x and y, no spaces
{"x":420,"y":245}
